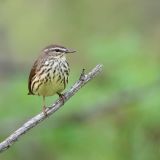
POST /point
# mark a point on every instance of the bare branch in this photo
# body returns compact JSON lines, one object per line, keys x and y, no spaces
{"x":57,"y":105}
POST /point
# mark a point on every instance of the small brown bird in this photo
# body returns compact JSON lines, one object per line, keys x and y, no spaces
{"x":49,"y":74}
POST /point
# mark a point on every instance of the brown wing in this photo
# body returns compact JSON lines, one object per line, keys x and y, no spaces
{"x":32,"y":74}
{"x":37,"y":65}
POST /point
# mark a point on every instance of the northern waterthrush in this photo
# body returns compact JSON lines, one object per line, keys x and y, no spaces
{"x":49,"y":74}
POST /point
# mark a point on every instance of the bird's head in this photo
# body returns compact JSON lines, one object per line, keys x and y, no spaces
{"x":57,"y":51}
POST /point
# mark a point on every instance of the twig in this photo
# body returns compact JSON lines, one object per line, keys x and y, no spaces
{"x":82,"y":74}
{"x":57,"y":105}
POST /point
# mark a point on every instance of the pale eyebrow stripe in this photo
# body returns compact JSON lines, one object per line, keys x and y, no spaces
{"x":54,"y":48}
{"x":62,"y":49}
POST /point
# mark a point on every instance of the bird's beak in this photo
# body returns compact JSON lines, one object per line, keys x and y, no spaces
{"x":70,"y":51}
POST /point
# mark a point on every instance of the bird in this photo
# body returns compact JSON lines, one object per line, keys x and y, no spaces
{"x":49,"y":73}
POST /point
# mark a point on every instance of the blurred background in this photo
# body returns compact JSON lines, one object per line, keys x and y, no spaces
{"x":117,"y":115}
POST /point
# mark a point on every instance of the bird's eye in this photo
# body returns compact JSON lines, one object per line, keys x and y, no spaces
{"x":57,"y":50}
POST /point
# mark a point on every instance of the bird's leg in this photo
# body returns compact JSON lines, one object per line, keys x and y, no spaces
{"x":61,"y":96}
{"x":44,"y":106}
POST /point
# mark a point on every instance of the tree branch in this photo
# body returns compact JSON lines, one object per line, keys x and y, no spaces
{"x":50,"y":110}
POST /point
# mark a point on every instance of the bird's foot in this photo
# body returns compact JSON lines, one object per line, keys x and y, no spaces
{"x":62,"y":97}
{"x":44,"y":110}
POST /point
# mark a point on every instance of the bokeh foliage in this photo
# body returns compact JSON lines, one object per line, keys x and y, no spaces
{"x":123,"y":35}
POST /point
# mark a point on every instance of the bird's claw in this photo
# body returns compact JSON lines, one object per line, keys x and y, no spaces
{"x":62,"y":97}
{"x":44,"y":111}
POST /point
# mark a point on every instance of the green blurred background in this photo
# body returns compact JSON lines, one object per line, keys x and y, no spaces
{"x":114,"y":117}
